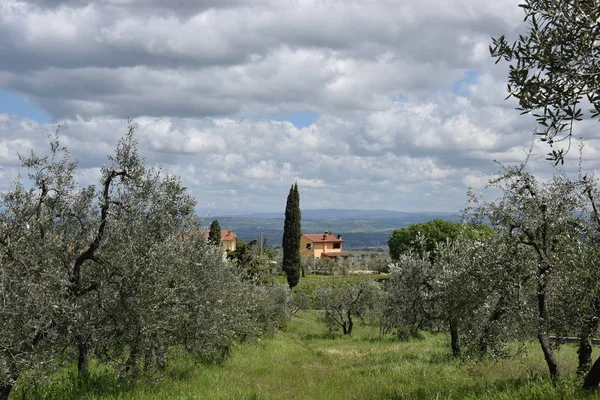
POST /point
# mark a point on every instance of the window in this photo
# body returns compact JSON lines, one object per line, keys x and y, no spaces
{"x":308,"y":246}
{"x":337,"y":245}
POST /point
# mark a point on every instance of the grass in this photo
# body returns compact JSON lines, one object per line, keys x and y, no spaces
{"x":307,"y":362}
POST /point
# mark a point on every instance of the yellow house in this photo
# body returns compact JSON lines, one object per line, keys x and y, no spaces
{"x":323,"y":245}
{"x":228,"y":240}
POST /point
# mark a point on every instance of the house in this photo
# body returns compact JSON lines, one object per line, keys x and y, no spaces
{"x":323,"y":245}
{"x":228,"y":240}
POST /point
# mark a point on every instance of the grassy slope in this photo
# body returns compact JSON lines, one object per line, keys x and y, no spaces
{"x":308,"y":363}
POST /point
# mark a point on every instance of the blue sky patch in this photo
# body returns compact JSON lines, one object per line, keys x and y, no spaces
{"x":300,"y":119}
{"x":469,"y":77}
{"x":400,"y":98}
{"x":12,"y":103}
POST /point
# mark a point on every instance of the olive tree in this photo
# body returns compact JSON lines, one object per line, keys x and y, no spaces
{"x":544,"y":218}
{"x":554,"y":72}
{"x":409,"y":295}
{"x":118,"y":268}
{"x":447,"y":289}
{"x":345,"y":301}
{"x":43,"y":230}
{"x":555,"y":67}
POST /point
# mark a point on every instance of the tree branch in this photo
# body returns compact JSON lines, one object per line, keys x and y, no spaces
{"x":88,"y":254}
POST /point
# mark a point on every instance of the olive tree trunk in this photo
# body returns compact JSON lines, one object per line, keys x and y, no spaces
{"x":5,"y":390}
{"x":83,"y":358}
{"x":455,"y":342}
{"x":543,"y":336}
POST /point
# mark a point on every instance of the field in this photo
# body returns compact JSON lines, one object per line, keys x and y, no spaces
{"x":308,"y":362}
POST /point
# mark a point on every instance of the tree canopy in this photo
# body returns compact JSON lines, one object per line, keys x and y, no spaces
{"x":115,"y":270}
{"x":555,"y":67}
{"x":434,"y":231}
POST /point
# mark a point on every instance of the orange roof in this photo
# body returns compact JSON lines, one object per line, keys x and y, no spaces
{"x":227,"y":235}
{"x":322,"y":238}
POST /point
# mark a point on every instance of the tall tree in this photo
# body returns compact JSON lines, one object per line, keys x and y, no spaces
{"x":291,"y":237}
{"x":214,"y":235}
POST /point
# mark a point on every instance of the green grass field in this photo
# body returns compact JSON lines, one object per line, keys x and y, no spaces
{"x":307,"y":362}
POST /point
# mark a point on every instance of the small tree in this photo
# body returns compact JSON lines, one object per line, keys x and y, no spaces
{"x":346,"y":301}
{"x":254,"y":260}
{"x":214,"y":234}
{"x":291,"y":237}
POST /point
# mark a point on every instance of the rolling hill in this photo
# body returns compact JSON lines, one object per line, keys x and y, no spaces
{"x":359,"y":228}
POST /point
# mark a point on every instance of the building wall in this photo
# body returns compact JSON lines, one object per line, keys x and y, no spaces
{"x":228,"y":245}
{"x":317,"y":248}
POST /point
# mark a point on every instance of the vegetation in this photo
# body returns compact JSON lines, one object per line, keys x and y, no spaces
{"x":214,"y":233}
{"x":108,"y":289}
{"x":257,"y":261}
{"x":331,"y":366}
{"x":344,"y":302}
{"x":118,"y":272}
{"x":555,"y":67}
{"x":291,"y":237}
{"x":554,"y":70}
{"x":434,"y":232}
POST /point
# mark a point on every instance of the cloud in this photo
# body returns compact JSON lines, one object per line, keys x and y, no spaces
{"x":409,"y":108}
{"x":236,"y":58}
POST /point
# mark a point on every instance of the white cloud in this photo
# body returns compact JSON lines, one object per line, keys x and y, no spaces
{"x":409,"y":107}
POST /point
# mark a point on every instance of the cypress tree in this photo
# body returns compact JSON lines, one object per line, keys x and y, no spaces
{"x":291,"y":237}
{"x":214,"y":235}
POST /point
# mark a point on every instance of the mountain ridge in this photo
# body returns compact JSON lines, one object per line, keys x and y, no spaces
{"x":359,"y":228}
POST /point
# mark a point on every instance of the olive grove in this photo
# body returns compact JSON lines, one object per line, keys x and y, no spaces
{"x":119,"y":271}
{"x":537,"y":276}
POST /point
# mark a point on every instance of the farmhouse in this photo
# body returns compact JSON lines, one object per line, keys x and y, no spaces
{"x":228,"y":240}
{"x":322,"y":245}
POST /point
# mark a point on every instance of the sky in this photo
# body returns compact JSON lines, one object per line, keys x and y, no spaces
{"x":366,"y":104}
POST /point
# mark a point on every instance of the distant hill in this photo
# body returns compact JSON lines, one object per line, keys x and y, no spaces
{"x":359,"y":228}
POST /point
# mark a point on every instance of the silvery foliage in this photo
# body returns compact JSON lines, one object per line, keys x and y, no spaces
{"x":35,"y":311}
{"x":473,"y":285}
{"x":548,"y":227}
{"x":343,"y":302}
{"x":484,"y":288}
{"x":115,"y":267}
{"x":409,"y":297}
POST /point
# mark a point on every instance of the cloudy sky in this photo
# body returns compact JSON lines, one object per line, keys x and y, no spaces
{"x":372,"y":104}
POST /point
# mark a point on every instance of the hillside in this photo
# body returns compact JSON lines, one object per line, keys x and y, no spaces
{"x":359,"y":228}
